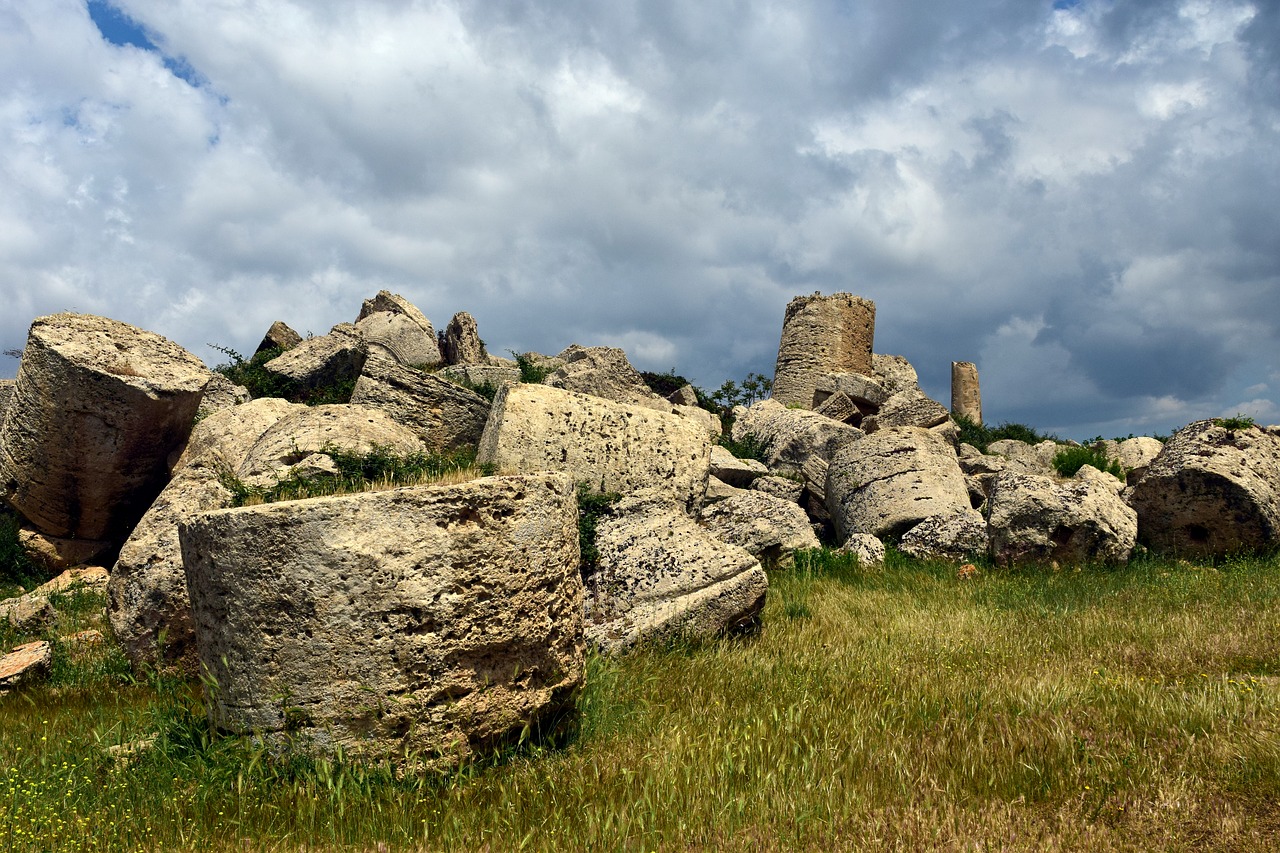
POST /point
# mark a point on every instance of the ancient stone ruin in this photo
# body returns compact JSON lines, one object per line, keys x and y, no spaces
{"x":428,"y":623}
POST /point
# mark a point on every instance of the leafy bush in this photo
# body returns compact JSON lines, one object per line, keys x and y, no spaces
{"x":360,"y":472}
{"x":980,"y":435}
{"x":1069,"y":460}
{"x":531,"y":373}
{"x":666,"y":384}
{"x":260,"y":382}
{"x":751,"y":446}
{"x":16,"y":568}
{"x":1234,"y":423}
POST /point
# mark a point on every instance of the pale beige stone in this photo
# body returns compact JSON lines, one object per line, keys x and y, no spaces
{"x":892,"y":480}
{"x":966,"y":396}
{"x":604,"y":372}
{"x":7,"y":387}
{"x":839,"y":407}
{"x":98,"y":407}
{"x":612,"y":447}
{"x":866,"y":392}
{"x":734,"y":471}
{"x":718,"y":490}
{"x":496,"y":375}
{"x":868,"y":549}
{"x":1040,"y":519}
{"x":28,"y":614}
{"x":399,"y":338}
{"x":298,"y":435}
{"x":780,"y":487}
{"x":460,"y":341}
{"x":791,"y":436}
{"x":221,"y":393}
{"x":821,"y":335}
{"x":280,"y":337}
{"x":957,"y":537}
{"x":907,"y":408}
{"x":55,"y":553}
{"x":24,"y":664}
{"x":323,"y":361}
{"x":1026,"y":458}
{"x":425,"y":625}
{"x":659,"y":575}
{"x":895,"y":374}
{"x":445,"y":415}
{"x":1212,"y":491}
{"x":770,"y":529}
{"x":683,"y":396}
{"x":147,"y":602}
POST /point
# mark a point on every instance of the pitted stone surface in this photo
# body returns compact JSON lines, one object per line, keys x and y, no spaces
{"x":1211,"y":491}
{"x":966,"y":397}
{"x":958,"y":537}
{"x":324,"y":360}
{"x":460,"y":341}
{"x":221,"y":393}
{"x":424,"y":625}
{"x":6,"y":393}
{"x":604,"y":372}
{"x":98,"y":407}
{"x":907,"y":408}
{"x":445,"y":415}
{"x":895,"y":373}
{"x":866,"y":392}
{"x":147,"y":593}
{"x":496,"y":375}
{"x":280,"y":337}
{"x":613,"y":447}
{"x":1040,"y":519}
{"x":399,"y":338}
{"x":892,"y":480}
{"x":839,"y":407}
{"x":868,"y":549}
{"x":660,"y":575}
{"x":792,"y":436}
{"x":734,"y":471}
{"x":822,"y":335}
{"x":770,"y":529}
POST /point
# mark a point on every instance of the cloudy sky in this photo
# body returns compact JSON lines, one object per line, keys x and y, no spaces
{"x":1082,"y":197}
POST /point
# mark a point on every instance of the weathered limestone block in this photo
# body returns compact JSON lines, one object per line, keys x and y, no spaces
{"x":907,"y":408}
{"x":707,"y":420}
{"x":24,"y":664}
{"x":792,"y":436}
{"x":460,"y":341}
{"x":387,"y":302}
{"x":324,"y":360}
{"x":1211,"y":491}
{"x":1133,"y":454}
{"x":399,"y":338}
{"x":424,"y":625}
{"x":769,"y":528}
{"x":610,"y":446}
{"x":966,"y":397}
{"x":683,"y":396}
{"x":892,"y":480}
{"x":55,"y":553}
{"x":301,"y":434}
{"x":7,"y":387}
{"x":779,"y":487}
{"x":958,"y":537}
{"x":734,"y":471}
{"x":895,"y":373}
{"x":980,"y":472}
{"x":718,"y":490}
{"x":868,"y":549}
{"x":221,"y":393}
{"x":660,"y":575}
{"x":1026,"y":458}
{"x":280,"y":337}
{"x":98,"y":407}
{"x":445,"y":415}
{"x":480,"y":374}
{"x":604,"y":372}
{"x":1035,"y":518}
{"x":33,"y":612}
{"x":147,"y":593}
{"x":821,"y":335}
{"x":866,"y":392}
{"x":839,"y":407}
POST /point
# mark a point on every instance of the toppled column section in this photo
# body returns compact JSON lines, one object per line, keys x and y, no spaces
{"x":425,"y":625}
{"x":821,"y":335}
{"x":966,"y":398}
{"x":98,"y":407}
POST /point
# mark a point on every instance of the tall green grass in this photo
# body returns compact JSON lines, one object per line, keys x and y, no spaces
{"x":895,"y":708}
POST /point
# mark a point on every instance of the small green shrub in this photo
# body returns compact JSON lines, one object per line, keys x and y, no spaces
{"x":1234,"y":423}
{"x":1069,"y":460}
{"x":981,"y":436}
{"x":591,"y":506}
{"x":260,"y":382}
{"x":488,"y":390}
{"x":358,"y":472}
{"x":16,"y":568}
{"x":531,"y":373}
{"x":666,"y":384}
{"x":750,"y":446}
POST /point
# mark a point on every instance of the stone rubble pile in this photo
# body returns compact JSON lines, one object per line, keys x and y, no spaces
{"x":429,"y":624}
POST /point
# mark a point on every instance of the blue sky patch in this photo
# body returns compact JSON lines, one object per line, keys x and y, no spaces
{"x":119,"y":29}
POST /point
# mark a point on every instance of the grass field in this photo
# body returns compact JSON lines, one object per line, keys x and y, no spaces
{"x":904,"y":708}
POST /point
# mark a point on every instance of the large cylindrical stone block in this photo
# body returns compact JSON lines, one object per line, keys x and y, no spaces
{"x":966,"y":398}
{"x":423,"y":625}
{"x":98,"y":407}
{"x":821,"y":335}
{"x":892,"y":480}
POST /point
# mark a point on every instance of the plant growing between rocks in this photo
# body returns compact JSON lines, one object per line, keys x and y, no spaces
{"x":981,"y":436}
{"x":260,"y":382}
{"x":1069,"y":460}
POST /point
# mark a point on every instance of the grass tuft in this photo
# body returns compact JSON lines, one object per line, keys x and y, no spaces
{"x":1069,"y":460}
